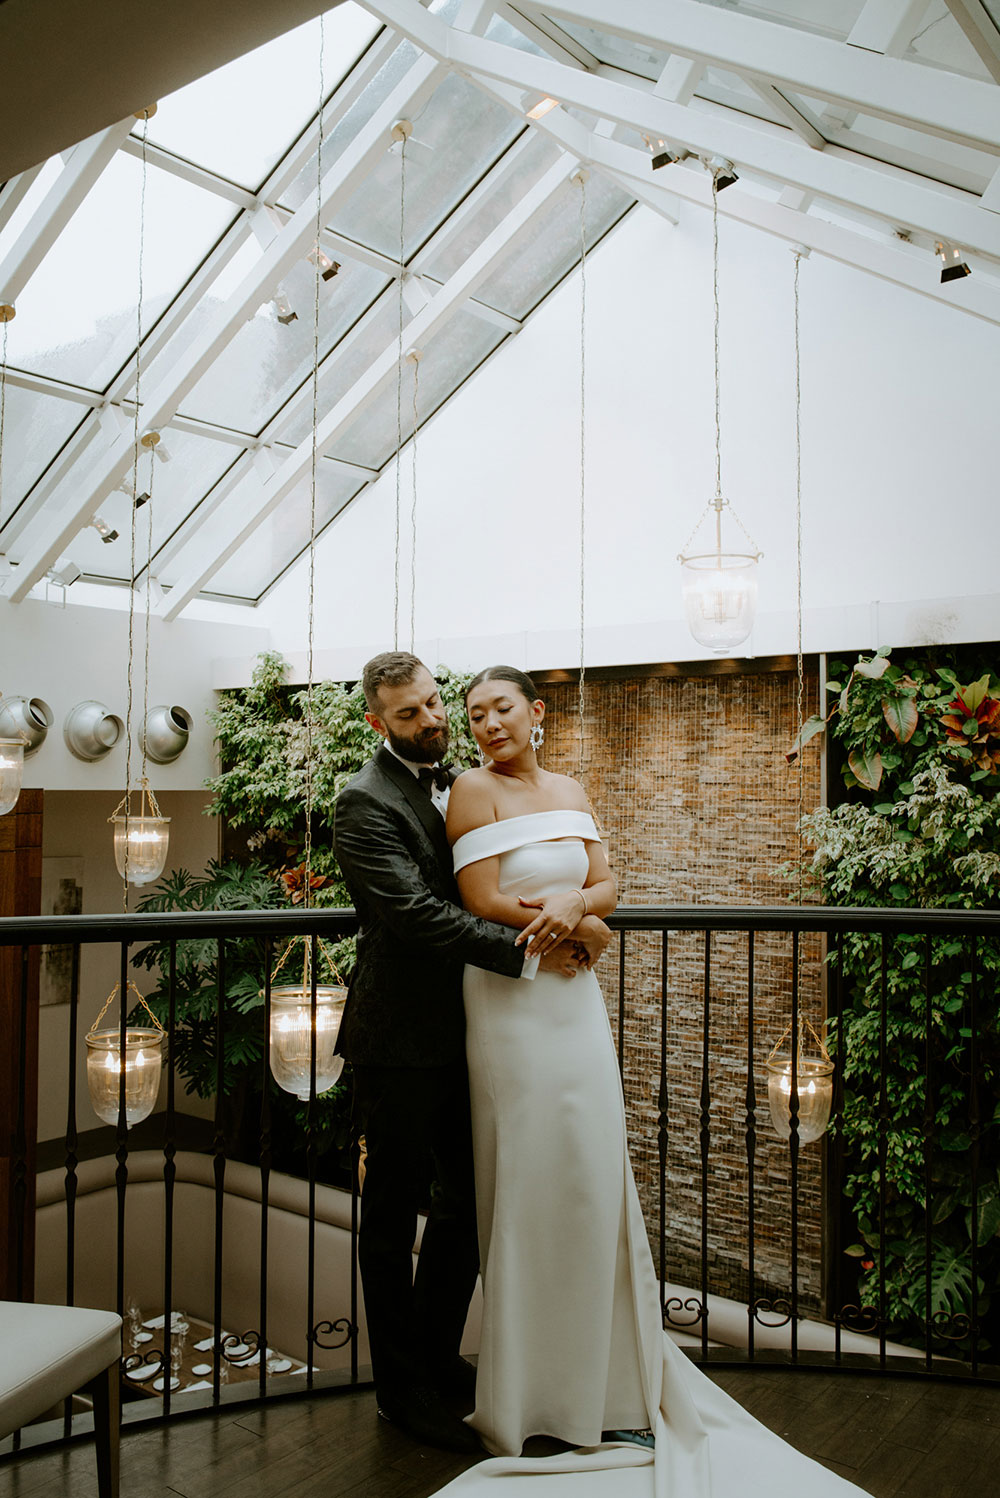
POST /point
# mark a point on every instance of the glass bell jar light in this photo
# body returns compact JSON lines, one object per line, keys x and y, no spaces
{"x":142,"y":1065}
{"x":11,"y":772}
{"x":291,"y":1036}
{"x":719,"y":588}
{"x":141,"y":839}
{"x":813,"y":1088}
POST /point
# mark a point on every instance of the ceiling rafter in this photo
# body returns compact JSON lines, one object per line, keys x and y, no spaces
{"x":15,"y":190}
{"x":341,"y":180}
{"x":452,"y":296}
{"x":891,"y":195}
{"x":887,"y":25}
{"x":981,"y":30}
{"x":629,"y":167}
{"x":907,"y":92}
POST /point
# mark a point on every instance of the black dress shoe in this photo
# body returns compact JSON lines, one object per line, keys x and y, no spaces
{"x":423,"y":1415}
{"x":456,"y":1383}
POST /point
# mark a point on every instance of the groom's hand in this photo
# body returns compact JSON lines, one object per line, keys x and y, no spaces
{"x":593,"y":936}
{"x":562,"y":959}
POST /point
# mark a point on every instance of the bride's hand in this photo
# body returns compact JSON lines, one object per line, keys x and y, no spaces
{"x":560,"y":914}
{"x":592,"y":936}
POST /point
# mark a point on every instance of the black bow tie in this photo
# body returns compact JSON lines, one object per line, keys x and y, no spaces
{"x":436,"y":775}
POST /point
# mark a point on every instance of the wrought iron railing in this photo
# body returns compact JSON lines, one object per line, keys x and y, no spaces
{"x":638,"y":927}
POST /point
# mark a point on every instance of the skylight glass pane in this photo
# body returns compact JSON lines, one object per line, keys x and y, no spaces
{"x":395,"y":68}
{"x":276,"y":541}
{"x":537,"y":155}
{"x":35,"y":428}
{"x":550,"y":246}
{"x":194,"y":464}
{"x":239,"y":120}
{"x":940,"y":40}
{"x":456,"y":137}
{"x":830,"y":17}
{"x":267,"y":360}
{"x":76,"y":318}
{"x":375,"y":333}
{"x":448,"y":359}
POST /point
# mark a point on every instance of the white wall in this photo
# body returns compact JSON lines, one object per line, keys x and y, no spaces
{"x":899,"y":433}
{"x":67,"y":656}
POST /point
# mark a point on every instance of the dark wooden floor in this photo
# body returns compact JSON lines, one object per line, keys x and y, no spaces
{"x":897,"y":1439}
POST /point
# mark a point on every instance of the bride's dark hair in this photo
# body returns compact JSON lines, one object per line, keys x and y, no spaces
{"x":521,"y":680}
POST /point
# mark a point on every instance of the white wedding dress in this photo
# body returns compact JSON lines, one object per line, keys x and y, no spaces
{"x":572,"y":1341}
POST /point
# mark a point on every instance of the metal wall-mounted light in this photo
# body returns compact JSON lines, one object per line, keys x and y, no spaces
{"x":165,"y":733}
{"x":25,"y":718}
{"x":90,"y":731}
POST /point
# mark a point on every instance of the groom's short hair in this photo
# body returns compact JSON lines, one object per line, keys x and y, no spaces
{"x":393,"y":668}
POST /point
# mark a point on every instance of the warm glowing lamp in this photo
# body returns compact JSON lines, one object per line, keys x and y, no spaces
{"x":141,"y":838}
{"x":813,"y":1089}
{"x":11,"y":771}
{"x":292,"y":1032}
{"x":142,"y":1064}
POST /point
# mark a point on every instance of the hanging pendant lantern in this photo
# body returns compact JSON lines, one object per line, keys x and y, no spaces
{"x":291,"y":1037}
{"x":291,"y":1028}
{"x":719,"y":583}
{"x":142,"y":1065}
{"x":813,"y":1088}
{"x":11,"y":773}
{"x":141,"y":839}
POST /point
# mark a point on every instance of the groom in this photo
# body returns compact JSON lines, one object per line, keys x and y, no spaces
{"x":404,"y":1034}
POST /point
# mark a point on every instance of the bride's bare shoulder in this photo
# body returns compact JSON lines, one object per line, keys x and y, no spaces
{"x":572,"y":796}
{"x":471,"y":802}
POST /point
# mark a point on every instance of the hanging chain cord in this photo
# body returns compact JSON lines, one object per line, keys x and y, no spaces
{"x":130,"y":988}
{"x":718,"y":503}
{"x":582,"y":177}
{"x":132,"y":518}
{"x":313,"y":465}
{"x":399,"y":386}
{"x":799,"y":669}
{"x":415,"y":356}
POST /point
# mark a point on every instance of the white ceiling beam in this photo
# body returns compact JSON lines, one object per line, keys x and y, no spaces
{"x":887,"y":26}
{"x":980,"y":28}
{"x":915,"y":269}
{"x":342,"y":178}
{"x":910,"y":93}
{"x":991,"y":197}
{"x":420,"y":330}
{"x":890,"y":194}
{"x":15,"y":190}
{"x":189,"y":171}
{"x":474,"y":16}
{"x":84,"y":165}
{"x":679,"y":79}
{"x":549,"y":37}
{"x":803,"y":121}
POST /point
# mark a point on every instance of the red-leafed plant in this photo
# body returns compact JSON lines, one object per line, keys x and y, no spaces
{"x":972,"y":725}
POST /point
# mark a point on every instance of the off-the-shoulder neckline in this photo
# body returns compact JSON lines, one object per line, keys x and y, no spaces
{"x":526,"y":816}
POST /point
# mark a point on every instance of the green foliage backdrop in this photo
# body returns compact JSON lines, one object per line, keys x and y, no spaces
{"x":920,"y":827}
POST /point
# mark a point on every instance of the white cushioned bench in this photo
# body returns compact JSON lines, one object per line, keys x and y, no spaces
{"x":50,"y":1352}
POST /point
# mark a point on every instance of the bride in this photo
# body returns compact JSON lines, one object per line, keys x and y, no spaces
{"x":572,"y":1342}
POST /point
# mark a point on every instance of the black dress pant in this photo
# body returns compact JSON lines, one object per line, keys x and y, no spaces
{"x":419,"y":1142}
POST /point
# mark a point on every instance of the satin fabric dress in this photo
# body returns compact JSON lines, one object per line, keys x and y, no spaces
{"x":572,"y":1341}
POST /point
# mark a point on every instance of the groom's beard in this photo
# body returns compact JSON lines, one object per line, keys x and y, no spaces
{"x":425,"y":748}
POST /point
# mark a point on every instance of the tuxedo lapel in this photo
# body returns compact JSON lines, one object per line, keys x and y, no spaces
{"x":427,"y":813}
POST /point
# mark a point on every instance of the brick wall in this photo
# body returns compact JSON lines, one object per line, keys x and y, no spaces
{"x":687,"y":775}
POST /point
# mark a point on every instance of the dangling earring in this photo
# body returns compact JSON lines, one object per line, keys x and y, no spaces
{"x":482,"y":757}
{"x":536,"y":737}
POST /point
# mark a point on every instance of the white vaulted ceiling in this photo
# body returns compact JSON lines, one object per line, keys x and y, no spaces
{"x":866,"y":130}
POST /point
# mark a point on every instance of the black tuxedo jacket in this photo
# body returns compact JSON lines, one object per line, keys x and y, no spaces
{"x":405,"y":1002}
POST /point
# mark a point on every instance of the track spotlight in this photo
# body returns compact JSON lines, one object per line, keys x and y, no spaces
{"x":104,"y":530}
{"x":283,"y":308}
{"x":64,"y":573}
{"x":537,"y":105}
{"x":953,"y":266}
{"x":140,"y":500}
{"x":723,"y":171}
{"x":662,"y":152}
{"x":327,"y":268}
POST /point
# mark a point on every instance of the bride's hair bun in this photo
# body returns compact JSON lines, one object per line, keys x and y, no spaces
{"x":521,"y":680}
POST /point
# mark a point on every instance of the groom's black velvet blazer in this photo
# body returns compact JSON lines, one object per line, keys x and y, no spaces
{"x":405,"y":1002}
